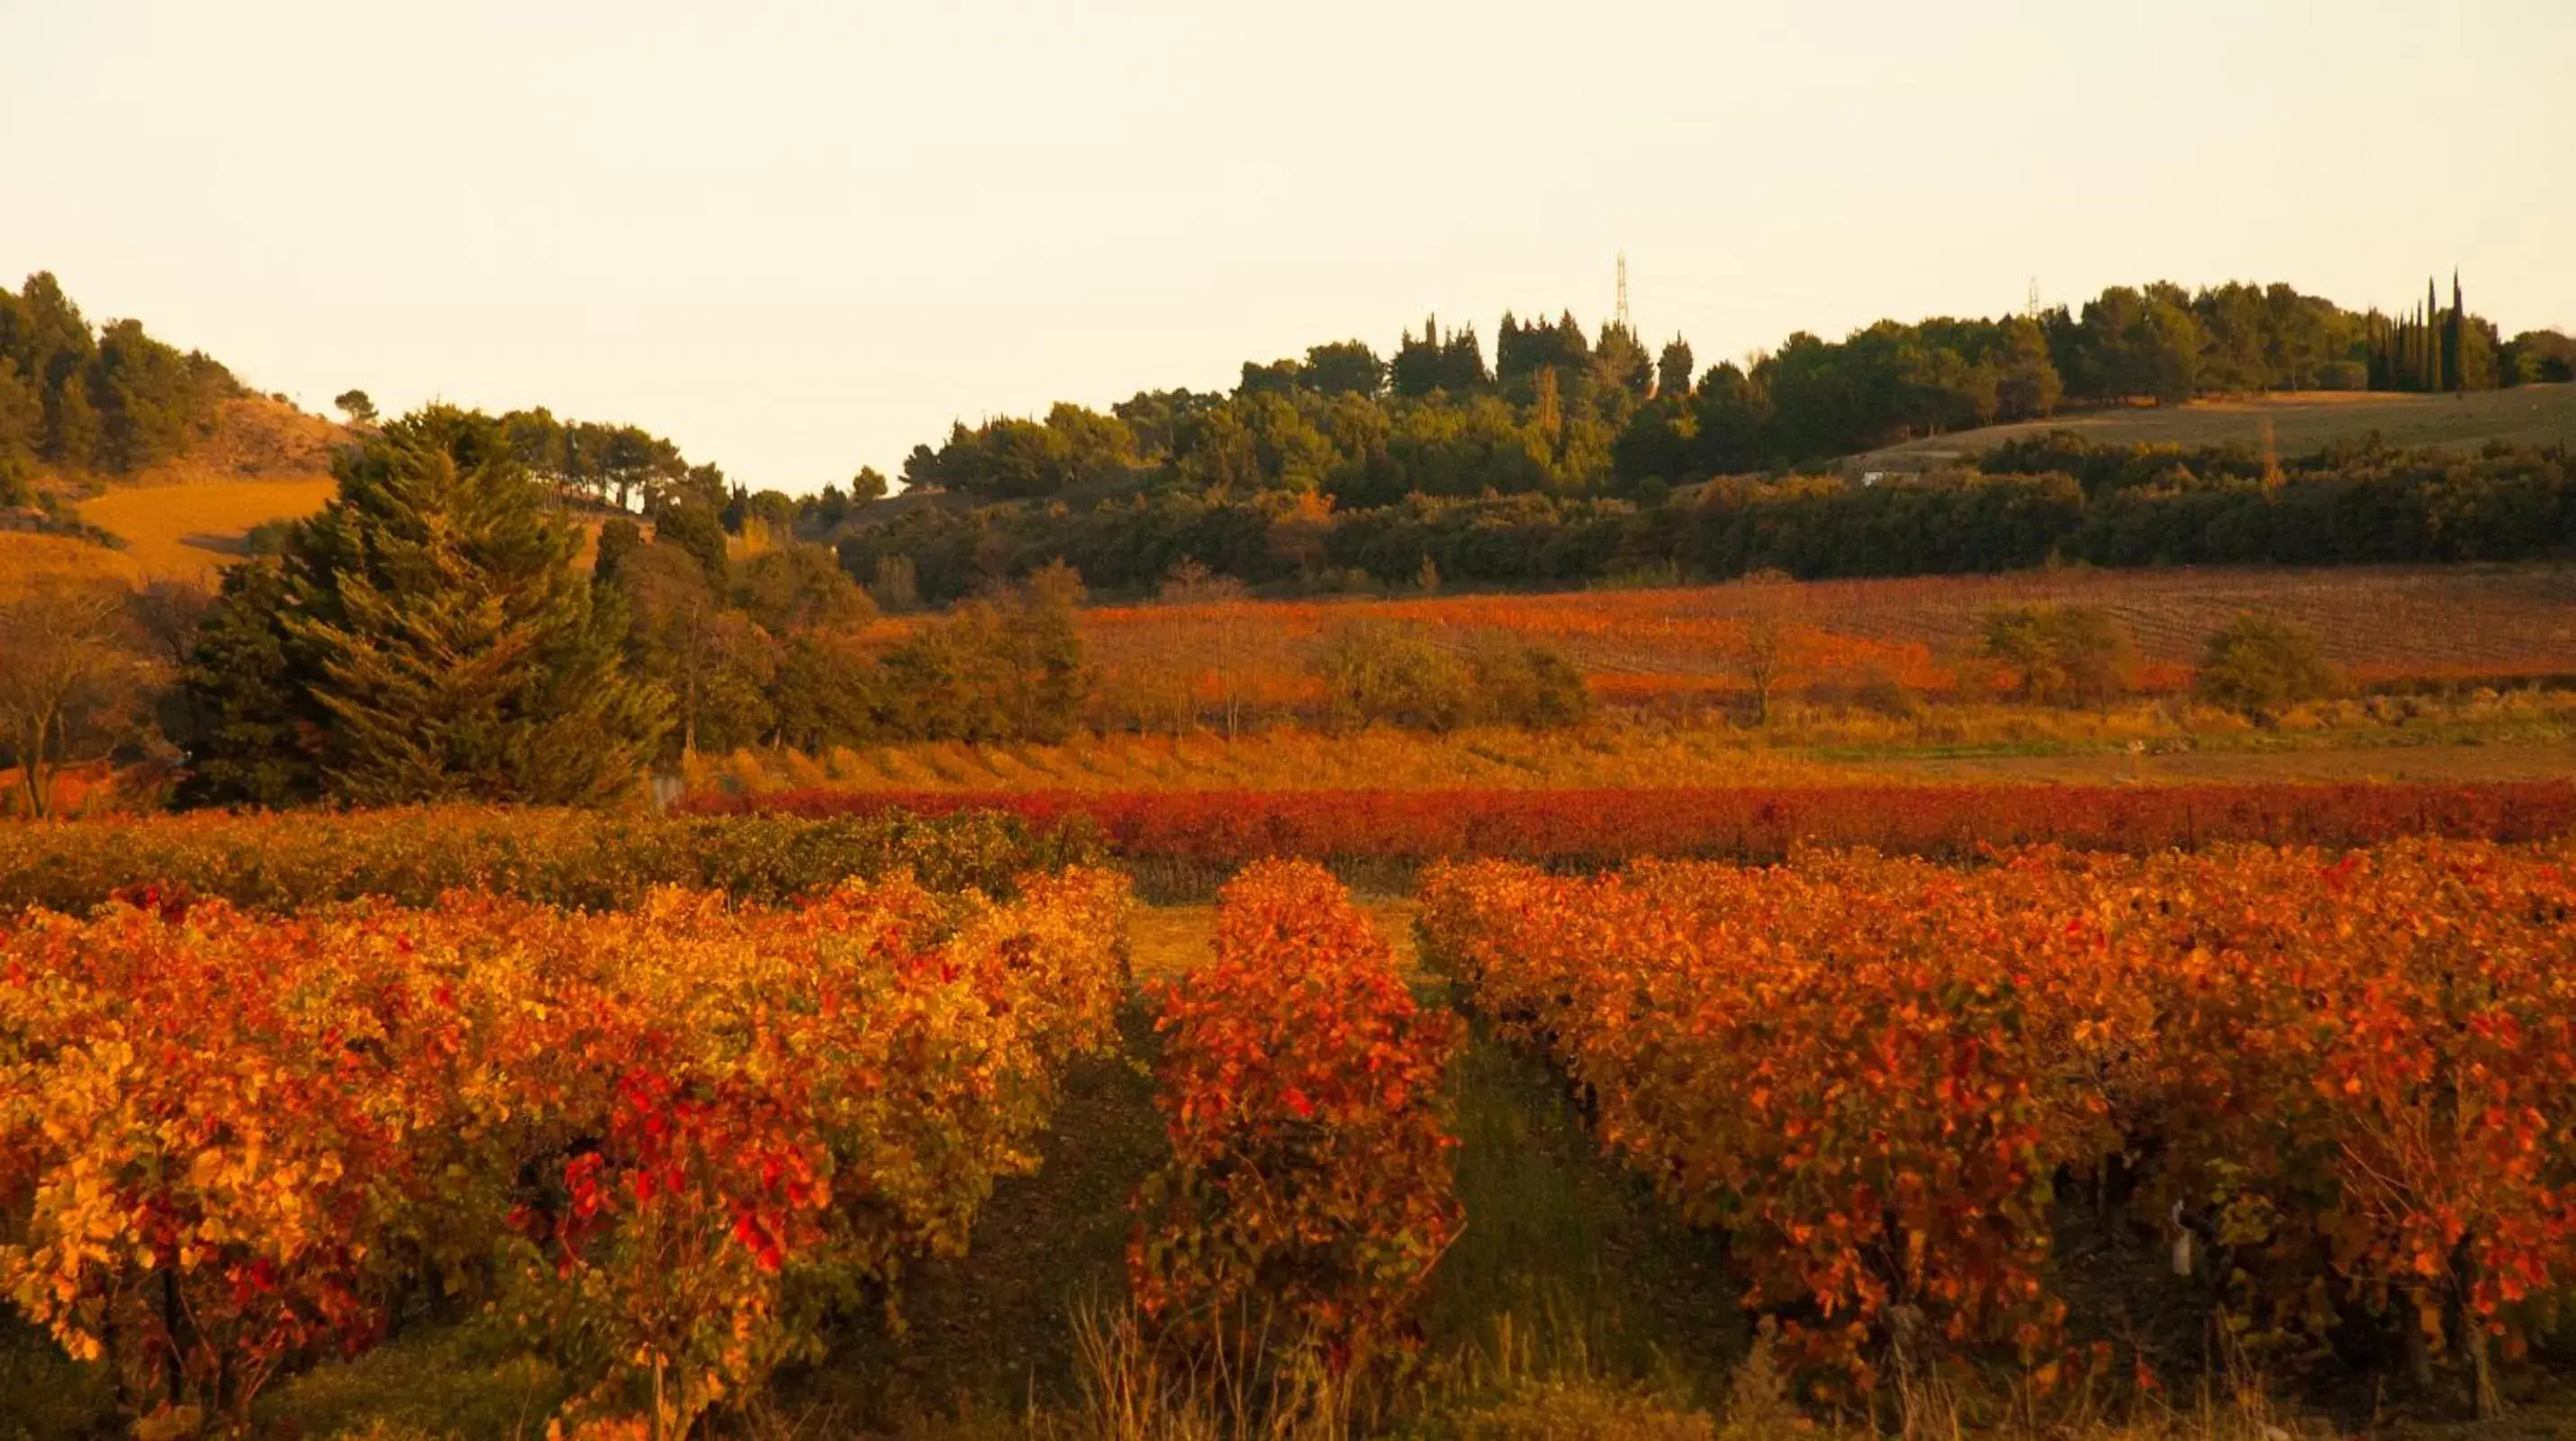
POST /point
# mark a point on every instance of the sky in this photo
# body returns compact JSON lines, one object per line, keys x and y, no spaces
{"x":799,"y":238}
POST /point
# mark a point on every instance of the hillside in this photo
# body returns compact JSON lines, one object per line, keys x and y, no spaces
{"x":2300,"y":423}
{"x":262,"y":460}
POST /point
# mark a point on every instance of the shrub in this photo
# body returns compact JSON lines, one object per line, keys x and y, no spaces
{"x":2258,"y":665}
{"x":1531,"y":686}
{"x":1377,"y":671}
{"x":2059,"y":655}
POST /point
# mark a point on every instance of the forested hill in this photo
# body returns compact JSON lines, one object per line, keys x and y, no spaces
{"x":1575,"y":458}
{"x":85,"y":405}
{"x":1568,"y":414}
{"x":111,"y":399}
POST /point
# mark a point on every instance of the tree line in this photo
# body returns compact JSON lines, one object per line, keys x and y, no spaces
{"x":1564,"y":413}
{"x":430,"y":634}
{"x":2055,"y":498}
{"x":109,"y":399}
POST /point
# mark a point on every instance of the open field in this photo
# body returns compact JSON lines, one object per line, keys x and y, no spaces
{"x":2524,"y":415}
{"x":193,"y":529}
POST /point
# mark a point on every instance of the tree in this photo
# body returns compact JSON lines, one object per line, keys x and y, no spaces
{"x":1535,"y":687}
{"x":868,"y":486}
{"x":696,"y":530}
{"x":1217,"y":598}
{"x":2058,"y":655}
{"x":69,"y":676}
{"x":895,"y":584}
{"x":825,"y":691}
{"x":715,"y":662}
{"x":1759,"y":654}
{"x":355,"y":404}
{"x":2258,"y":664}
{"x":1004,"y":666}
{"x":22,"y":431}
{"x":1345,"y":367}
{"x":426,"y":638}
{"x":255,"y":733}
{"x":619,"y":539}
{"x":1380,"y":671}
{"x":1673,"y":372}
{"x":2545,"y":356}
{"x":798,"y":587}
{"x":167,"y":613}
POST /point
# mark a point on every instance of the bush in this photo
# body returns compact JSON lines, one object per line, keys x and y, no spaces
{"x":1533,"y":686}
{"x":269,"y":537}
{"x":2259,"y":664}
{"x":1375,"y":671}
{"x":2059,"y":655}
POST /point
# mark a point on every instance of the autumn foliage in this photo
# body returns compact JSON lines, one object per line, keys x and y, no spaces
{"x":1220,"y":829}
{"x":1302,"y":1090}
{"x":2342,"y":1090}
{"x":230,"y":1143}
{"x":588,"y":859}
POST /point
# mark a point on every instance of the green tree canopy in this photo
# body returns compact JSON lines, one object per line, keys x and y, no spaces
{"x":426,"y":637}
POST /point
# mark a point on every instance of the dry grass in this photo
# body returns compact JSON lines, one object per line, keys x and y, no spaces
{"x":26,"y":558}
{"x":2525,"y":415}
{"x":191,"y":530}
{"x":263,"y":461}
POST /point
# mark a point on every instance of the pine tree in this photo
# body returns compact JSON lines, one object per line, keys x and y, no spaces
{"x":432,"y":641}
{"x":257,"y":741}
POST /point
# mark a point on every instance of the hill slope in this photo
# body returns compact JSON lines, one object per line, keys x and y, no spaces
{"x":2300,"y":423}
{"x":262,"y":460}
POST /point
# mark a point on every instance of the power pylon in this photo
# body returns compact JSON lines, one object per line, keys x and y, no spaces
{"x":1625,"y":323}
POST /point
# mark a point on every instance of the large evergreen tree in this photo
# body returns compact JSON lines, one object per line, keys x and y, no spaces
{"x":426,"y":638}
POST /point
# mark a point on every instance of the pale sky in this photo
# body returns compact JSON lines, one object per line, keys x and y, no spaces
{"x":801,"y":237}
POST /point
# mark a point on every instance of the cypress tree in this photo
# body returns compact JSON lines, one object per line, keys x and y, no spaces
{"x":2453,"y":373}
{"x":2433,"y":346}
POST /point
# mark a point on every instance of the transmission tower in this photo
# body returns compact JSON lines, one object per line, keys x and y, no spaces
{"x":1624,"y":322}
{"x":2030,"y":306}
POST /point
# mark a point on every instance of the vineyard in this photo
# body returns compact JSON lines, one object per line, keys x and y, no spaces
{"x":2494,"y":624}
{"x":234,"y":1144}
{"x":1180,"y":842}
{"x":579,"y":859}
{"x":2339,"y":1089}
{"x":682,"y":1125}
